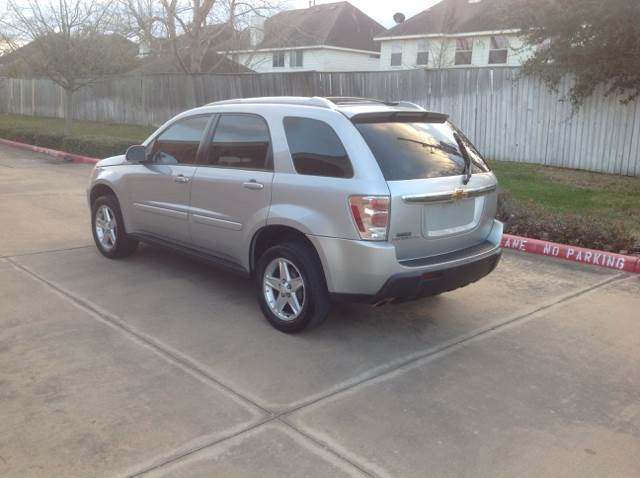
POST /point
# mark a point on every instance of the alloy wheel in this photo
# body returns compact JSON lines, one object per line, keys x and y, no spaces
{"x":284,"y":289}
{"x":106,"y":227}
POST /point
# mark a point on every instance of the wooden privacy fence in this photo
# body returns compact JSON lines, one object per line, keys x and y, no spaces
{"x":508,"y":119}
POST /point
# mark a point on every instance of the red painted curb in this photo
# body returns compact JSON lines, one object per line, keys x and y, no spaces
{"x":592,"y":257}
{"x":76,"y":158}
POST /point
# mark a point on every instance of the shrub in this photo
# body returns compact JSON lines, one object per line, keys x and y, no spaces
{"x":94,"y":146}
{"x":528,"y":219}
{"x":97,"y":147}
{"x":23,"y":135}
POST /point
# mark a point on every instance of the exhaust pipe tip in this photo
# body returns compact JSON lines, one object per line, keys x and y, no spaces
{"x":383,"y":302}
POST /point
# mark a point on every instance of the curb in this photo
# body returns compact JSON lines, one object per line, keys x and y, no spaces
{"x":609,"y":260}
{"x":76,"y":158}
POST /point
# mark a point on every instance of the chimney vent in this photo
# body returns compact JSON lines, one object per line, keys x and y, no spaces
{"x":399,"y":18}
{"x":256,"y":30}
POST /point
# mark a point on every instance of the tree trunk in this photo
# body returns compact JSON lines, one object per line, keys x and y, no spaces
{"x":68,"y":111}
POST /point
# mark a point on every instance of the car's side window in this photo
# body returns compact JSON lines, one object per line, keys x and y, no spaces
{"x":240,"y":141}
{"x":179,"y":143}
{"x":316,"y":149}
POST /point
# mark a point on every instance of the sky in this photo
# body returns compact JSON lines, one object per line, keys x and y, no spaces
{"x":380,"y":10}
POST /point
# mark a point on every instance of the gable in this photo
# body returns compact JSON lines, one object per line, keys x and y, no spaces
{"x":452,"y":17}
{"x":335,"y":24}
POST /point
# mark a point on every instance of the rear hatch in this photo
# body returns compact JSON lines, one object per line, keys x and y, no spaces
{"x":426,"y":162}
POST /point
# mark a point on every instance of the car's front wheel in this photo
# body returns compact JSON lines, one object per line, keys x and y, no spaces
{"x":291,"y":287}
{"x":108,"y":229}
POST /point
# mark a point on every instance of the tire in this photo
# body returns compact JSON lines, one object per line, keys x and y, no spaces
{"x":123,"y":245}
{"x":313,"y":297}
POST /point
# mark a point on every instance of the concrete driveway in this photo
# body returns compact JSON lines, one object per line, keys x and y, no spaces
{"x":163,"y":366}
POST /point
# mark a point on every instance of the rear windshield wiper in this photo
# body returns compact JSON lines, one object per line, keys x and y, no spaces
{"x":465,"y":155}
{"x":431,"y":145}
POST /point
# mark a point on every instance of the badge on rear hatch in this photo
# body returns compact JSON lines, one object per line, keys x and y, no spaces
{"x":459,"y":194}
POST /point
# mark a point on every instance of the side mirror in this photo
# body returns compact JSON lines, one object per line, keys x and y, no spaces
{"x":136,"y":154}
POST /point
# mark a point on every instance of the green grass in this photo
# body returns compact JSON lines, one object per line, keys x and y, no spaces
{"x":135,"y":133}
{"x":605,"y":196}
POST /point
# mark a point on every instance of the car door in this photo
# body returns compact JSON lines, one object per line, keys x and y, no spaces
{"x":231,"y":190}
{"x":160,"y":190}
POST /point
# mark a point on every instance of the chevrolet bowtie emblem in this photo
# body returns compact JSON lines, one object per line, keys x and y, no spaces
{"x":459,"y":194}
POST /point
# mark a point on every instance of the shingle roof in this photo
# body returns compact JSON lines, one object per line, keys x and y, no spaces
{"x":31,"y":48}
{"x":337,"y":24}
{"x":167,"y":63}
{"x":450,"y":17}
{"x":222,"y":36}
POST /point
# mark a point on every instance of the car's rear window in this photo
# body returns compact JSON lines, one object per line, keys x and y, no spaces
{"x":316,"y":149}
{"x":418,"y":150}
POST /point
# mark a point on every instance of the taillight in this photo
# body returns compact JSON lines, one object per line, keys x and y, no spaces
{"x":371,"y":216}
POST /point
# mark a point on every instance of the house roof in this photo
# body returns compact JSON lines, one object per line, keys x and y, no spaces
{"x":166,"y":62}
{"x":31,"y":48}
{"x":337,"y":24}
{"x":451,"y":17}
{"x":223,"y":37}
{"x":26,"y":61}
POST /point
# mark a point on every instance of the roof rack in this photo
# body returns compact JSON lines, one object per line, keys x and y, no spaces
{"x":330,"y":102}
{"x":350,"y":100}
{"x":284,"y":100}
{"x":355,"y":100}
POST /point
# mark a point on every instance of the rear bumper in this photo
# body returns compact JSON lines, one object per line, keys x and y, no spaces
{"x":412,"y":286}
{"x":369,"y":271}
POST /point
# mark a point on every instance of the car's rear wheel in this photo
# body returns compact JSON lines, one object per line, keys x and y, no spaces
{"x":108,"y":230}
{"x":291,"y":287}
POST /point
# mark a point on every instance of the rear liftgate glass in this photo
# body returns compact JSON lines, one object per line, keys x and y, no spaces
{"x":435,"y":175}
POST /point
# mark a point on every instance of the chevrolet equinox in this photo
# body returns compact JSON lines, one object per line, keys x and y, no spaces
{"x":314,"y":198}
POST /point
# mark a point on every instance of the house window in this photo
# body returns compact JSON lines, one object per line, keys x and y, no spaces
{"x":464,"y":50}
{"x":296,"y":58}
{"x":499,"y":50}
{"x":396,"y":54}
{"x":422,"y":57}
{"x":278,"y":59}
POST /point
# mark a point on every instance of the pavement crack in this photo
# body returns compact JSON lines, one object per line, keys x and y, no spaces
{"x":186,"y":454}
{"x":170,"y":355}
{"x":450,"y":345}
{"x":27,"y":254}
{"x":327,"y":448}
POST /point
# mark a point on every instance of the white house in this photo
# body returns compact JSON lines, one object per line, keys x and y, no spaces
{"x":329,"y":37}
{"x":452,"y":33}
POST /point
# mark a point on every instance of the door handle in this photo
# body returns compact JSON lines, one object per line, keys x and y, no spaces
{"x":181,"y":178}
{"x":253,"y":185}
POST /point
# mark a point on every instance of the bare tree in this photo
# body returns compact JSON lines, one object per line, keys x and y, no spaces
{"x":443,"y":45}
{"x":69,"y":41}
{"x":194,"y":29}
{"x":142,"y":20}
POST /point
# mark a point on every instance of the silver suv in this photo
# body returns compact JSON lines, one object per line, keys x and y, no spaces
{"x":315,"y":198}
